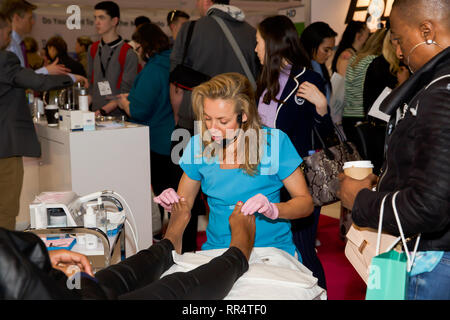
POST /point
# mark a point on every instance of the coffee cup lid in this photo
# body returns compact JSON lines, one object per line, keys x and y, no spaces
{"x":51,"y":106}
{"x":358,"y":164}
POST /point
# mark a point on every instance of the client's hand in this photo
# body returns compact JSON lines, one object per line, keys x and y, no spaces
{"x":349,"y":188}
{"x":64,"y":259}
{"x":261,"y":204}
{"x":167,"y":198}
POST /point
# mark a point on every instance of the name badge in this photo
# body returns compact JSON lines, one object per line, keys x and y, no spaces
{"x":104,"y":88}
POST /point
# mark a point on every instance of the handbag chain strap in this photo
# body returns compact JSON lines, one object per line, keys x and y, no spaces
{"x":402,"y":236}
{"x":236,"y":50}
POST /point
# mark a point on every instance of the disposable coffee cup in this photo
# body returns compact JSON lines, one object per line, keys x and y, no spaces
{"x":358,"y":169}
{"x":52,"y":115}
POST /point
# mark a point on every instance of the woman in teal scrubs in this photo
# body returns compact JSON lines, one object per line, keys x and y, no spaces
{"x":235,"y":158}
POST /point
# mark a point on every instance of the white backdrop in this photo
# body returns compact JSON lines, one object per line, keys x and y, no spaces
{"x":50,"y":19}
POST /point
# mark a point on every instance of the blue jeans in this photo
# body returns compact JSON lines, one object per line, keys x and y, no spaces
{"x":434,"y":285}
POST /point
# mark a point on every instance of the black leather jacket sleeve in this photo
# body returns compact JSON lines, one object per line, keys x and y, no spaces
{"x":423,"y":200}
{"x":26,"y":272}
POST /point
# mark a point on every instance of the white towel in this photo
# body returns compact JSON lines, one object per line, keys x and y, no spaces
{"x":273,"y":275}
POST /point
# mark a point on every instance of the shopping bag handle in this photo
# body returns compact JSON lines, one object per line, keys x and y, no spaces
{"x":380,"y":224}
{"x":410,"y":259}
{"x":408,"y":256}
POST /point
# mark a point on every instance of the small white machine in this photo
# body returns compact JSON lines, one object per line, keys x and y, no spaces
{"x":67,"y":209}
{"x":66,"y":204}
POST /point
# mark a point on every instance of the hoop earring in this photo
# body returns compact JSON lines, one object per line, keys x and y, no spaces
{"x":427,"y":42}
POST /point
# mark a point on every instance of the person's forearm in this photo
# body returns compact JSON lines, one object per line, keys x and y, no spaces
{"x":188,"y":189}
{"x":110,"y":106}
{"x":42,"y":70}
{"x":125,"y":106}
{"x":298,"y":207}
{"x":28,"y":79}
{"x":322,"y":108}
{"x":176,"y":96}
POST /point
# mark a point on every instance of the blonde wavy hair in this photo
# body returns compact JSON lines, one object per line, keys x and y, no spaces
{"x":373,"y":46}
{"x":390,"y":55}
{"x":236,"y":88}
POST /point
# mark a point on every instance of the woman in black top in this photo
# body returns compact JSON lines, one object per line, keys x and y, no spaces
{"x":355,"y":35}
{"x":384,"y":71}
{"x":56,"y":48}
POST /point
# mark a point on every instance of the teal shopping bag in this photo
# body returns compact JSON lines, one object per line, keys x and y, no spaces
{"x":389,"y":271}
{"x":388,"y":277}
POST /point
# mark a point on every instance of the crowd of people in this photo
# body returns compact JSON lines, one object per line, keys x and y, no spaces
{"x":285,"y":87}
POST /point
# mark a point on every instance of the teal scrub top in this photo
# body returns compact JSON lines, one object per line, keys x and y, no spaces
{"x":225,"y":187}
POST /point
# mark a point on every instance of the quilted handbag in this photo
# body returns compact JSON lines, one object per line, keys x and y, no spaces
{"x":322,"y":168}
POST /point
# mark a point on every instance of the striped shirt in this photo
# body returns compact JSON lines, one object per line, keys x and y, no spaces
{"x":354,"y":87}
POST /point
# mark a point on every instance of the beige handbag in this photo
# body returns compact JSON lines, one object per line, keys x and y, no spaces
{"x":361,"y":245}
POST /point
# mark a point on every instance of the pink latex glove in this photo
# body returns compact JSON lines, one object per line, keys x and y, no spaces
{"x":261,"y":204}
{"x":167,"y":198}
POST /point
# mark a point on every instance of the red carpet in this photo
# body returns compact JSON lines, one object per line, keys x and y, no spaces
{"x":201,"y":239}
{"x":343,"y":282}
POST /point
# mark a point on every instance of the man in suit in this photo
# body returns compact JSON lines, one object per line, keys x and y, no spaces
{"x":17,"y":134}
{"x":20,"y":12}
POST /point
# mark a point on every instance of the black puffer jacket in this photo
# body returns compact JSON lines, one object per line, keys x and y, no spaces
{"x":417,"y":160}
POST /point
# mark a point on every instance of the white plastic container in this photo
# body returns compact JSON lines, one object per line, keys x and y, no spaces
{"x":40,"y":216}
{"x":90,"y":222}
{"x":83,"y":102}
{"x":102,"y":221}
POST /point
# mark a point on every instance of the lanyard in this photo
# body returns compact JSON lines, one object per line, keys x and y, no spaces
{"x":107,"y":61}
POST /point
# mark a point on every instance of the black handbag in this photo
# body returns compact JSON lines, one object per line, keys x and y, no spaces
{"x":322,"y":168}
{"x":184,"y":76}
{"x":371,"y":135}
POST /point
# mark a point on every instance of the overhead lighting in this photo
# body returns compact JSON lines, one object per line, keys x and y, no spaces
{"x":375,"y":11}
{"x":358,"y":9}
